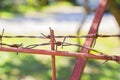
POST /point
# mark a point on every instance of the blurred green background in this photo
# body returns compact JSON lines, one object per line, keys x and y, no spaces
{"x":38,"y":67}
{"x":11,"y":7}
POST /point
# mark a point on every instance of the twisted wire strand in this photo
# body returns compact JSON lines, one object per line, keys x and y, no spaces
{"x":36,"y":45}
{"x":107,"y":57}
{"x":59,"y":43}
{"x":44,"y":44}
{"x":69,"y":36}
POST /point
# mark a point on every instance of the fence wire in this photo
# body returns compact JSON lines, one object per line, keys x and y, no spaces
{"x":56,"y":43}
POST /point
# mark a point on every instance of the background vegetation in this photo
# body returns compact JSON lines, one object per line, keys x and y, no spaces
{"x":11,"y":7}
{"x":38,"y":67}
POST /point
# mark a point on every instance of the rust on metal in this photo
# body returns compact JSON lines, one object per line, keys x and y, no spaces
{"x":80,"y":63}
{"x":60,"y":53}
{"x":70,"y":36}
{"x":52,"y":41}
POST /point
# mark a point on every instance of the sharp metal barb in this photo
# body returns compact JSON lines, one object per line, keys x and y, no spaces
{"x":94,"y":41}
{"x":17,"y":52}
{"x":36,"y":45}
{"x":2,"y":36}
{"x":84,"y":47}
{"x":5,"y":44}
{"x":19,"y":45}
{"x":45,"y":35}
{"x":56,"y":47}
{"x":107,"y":58}
{"x":105,"y":61}
{"x":3,"y":32}
{"x":63,"y":41}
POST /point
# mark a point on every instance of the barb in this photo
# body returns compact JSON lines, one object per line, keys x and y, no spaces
{"x":94,"y":41}
{"x":13,"y":45}
{"x":68,"y":44}
{"x":105,"y":61}
{"x":106,"y":56}
{"x":44,"y":36}
{"x":63,"y":41}
{"x":1,"y":36}
{"x":36,"y":45}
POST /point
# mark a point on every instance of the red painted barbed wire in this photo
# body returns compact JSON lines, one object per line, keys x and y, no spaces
{"x":70,"y":36}
{"x":61,"y":53}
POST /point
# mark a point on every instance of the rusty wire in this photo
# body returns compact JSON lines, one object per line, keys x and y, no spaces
{"x":70,"y":36}
{"x":20,"y":46}
{"x":61,"y":53}
{"x":44,"y":44}
{"x":96,"y":35}
{"x":57,"y":43}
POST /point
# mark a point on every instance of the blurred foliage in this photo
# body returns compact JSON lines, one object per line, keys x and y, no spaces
{"x":19,"y":6}
{"x":95,"y":70}
{"x":38,"y":67}
{"x":55,"y":6}
{"x":22,"y":6}
{"x":114,"y":8}
{"x":9,"y":8}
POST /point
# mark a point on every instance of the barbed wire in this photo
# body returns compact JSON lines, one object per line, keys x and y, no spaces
{"x":96,"y":35}
{"x":44,"y":44}
{"x":57,"y":43}
{"x":70,"y":36}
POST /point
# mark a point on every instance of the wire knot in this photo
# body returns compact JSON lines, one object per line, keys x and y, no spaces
{"x":95,"y":35}
{"x":116,"y":58}
{"x":58,"y":43}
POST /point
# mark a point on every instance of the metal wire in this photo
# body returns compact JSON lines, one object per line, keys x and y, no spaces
{"x":44,"y":44}
{"x":56,"y":43}
{"x":70,"y":36}
{"x":36,"y":45}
